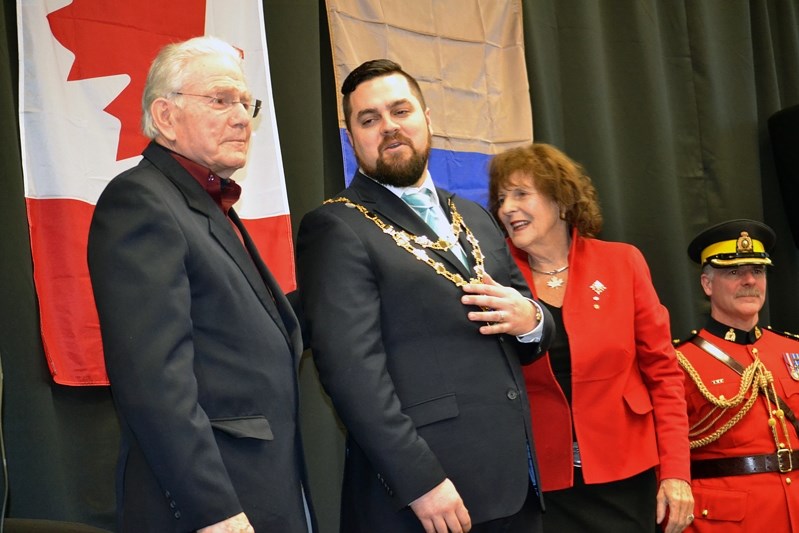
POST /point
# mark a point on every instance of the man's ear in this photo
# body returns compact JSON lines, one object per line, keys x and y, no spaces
{"x":163,"y":113}
{"x":427,"y":119}
{"x":704,"y":280}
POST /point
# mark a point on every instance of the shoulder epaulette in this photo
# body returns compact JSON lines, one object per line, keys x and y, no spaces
{"x":788,"y":334}
{"x":678,"y":342}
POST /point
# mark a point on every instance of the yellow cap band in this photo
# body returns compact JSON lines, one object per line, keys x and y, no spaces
{"x":729,"y":247}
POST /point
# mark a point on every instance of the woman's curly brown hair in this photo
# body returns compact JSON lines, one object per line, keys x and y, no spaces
{"x":555,"y":176}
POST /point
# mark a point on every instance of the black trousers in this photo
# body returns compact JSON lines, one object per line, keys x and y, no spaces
{"x":527,"y":520}
{"x":624,"y":506}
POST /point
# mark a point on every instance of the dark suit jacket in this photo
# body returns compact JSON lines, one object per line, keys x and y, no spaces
{"x":202,"y":361}
{"x":422,"y":393}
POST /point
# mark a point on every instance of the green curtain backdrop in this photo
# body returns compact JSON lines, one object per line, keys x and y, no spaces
{"x":665,"y":103}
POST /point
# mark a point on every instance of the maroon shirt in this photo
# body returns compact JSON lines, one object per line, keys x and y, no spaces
{"x":225,"y":192}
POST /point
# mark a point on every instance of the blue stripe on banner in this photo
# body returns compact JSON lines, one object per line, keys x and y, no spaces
{"x":464,"y":173}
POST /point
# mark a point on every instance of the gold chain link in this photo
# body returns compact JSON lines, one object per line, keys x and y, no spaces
{"x":406,"y":241}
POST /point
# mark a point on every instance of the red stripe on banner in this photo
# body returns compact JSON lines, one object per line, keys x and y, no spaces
{"x":273,"y":238}
{"x":59,"y":231}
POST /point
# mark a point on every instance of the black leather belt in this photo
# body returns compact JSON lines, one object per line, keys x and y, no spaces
{"x":784,"y":461}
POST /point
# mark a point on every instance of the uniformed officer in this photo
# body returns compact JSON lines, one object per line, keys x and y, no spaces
{"x":742,"y":389}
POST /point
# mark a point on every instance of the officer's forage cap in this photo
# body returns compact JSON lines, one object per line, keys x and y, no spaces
{"x":733,"y":243}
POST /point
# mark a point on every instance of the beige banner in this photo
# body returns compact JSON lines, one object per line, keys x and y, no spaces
{"x":468,"y":56}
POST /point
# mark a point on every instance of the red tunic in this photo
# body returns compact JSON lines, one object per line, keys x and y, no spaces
{"x":753,"y":502}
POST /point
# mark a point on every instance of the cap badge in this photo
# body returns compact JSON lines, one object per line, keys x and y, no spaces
{"x":744,"y":243}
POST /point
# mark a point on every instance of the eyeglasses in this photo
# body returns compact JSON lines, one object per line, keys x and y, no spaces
{"x":225,"y":103}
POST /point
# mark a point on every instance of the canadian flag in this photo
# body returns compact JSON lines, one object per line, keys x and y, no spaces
{"x":83,"y":66}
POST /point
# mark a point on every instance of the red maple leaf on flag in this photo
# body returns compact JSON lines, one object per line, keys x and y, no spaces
{"x":109,"y":38}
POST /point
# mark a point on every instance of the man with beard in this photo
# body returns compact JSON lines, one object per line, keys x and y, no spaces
{"x":742,"y":390}
{"x":418,"y":333}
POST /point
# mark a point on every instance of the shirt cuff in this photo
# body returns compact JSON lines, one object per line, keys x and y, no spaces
{"x":537,"y":332}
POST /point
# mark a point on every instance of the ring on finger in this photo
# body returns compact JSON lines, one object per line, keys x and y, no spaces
{"x":691,"y":517}
{"x":501,"y":317}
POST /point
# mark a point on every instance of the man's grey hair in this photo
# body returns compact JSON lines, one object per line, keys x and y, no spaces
{"x":168,"y":71}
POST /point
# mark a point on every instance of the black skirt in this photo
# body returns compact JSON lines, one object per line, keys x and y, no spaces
{"x":625,"y":506}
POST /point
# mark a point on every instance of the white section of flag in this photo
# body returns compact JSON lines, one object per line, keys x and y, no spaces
{"x":69,"y":143}
{"x":262,"y":180}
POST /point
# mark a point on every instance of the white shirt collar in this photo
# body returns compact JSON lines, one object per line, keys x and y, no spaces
{"x":399,"y":191}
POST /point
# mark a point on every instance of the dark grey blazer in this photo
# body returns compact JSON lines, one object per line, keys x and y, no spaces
{"x":422,"y":393}
{"x":202,"y":350}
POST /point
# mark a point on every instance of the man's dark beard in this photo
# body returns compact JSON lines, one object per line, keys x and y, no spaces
{"x":399,"y":173}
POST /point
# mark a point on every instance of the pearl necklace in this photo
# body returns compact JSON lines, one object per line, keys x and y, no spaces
{"x":554,"y":282}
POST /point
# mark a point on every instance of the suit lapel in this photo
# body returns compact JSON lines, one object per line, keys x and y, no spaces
{"x":220,"y":229}
{"x":273,"y":299}
{"x":393,"y":210}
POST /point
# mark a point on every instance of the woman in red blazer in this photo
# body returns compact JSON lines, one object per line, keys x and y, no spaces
{"x":607,"y":401}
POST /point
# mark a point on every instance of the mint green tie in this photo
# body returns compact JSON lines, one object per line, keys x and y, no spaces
{"x":422,"y":203}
